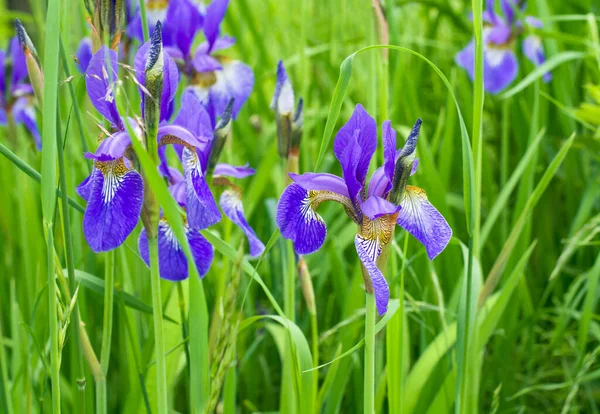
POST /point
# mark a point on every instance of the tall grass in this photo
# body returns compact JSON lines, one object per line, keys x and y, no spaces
{"x":504,"y":320}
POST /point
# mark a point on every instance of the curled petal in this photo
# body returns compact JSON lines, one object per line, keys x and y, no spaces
{"x":202,"y":210}
{"x":423,"y":221}
{"x":175,"y":134}
{"x":233,"y":171}
{"x":298,"y":220}
{"x":354,"y":147}
{"x":101,"y":83}
{"x":112,"y":148}
{"x":232,"y":207}
{"x":114,"y":204}
{"x":534,"y":50}
{"x":375,"y":207}
{"x":368,"y":251}
{"x":172,"y":262}
{"x":321,"y":181}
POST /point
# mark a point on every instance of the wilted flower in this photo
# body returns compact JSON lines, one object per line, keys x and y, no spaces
{"x":500,"y":33}
{"x":376,"y":208}
{"x":289,"y":121}
{"x":16,"y":95}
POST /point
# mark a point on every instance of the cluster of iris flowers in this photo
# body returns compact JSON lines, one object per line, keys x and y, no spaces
{"x":217,"y":89}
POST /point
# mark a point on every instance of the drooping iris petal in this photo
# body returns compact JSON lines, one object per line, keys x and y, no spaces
{"x":170,"y":79}
{"x":233,"y":171}
{"x":534,"y":51}
{"x":354,"y":147}
{"x":176,"y":134}
{"x":112,"y":148}
{"x":235,"y":81}
{"x":172,"y":263}
{"x":114,"y":205}
{"x":232,"y":207}
{"x":24,"y":113}
{"x":375,"y":207}
{"x":368,"y":251}
{"x":298,"y":220}
{"x":202,"y":211}
{"x":212,"y":21}
{"x":84,"y":54}
{"x":100,"y":81}
{"x":421,"y":219}
{"x":321,"y":181}
{"x":19,"y":65}
{"x":283,"y":99}
{"x":182,"y":21}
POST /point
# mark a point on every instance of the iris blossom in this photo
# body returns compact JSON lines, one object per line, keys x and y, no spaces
{"x":376,"y":205}
{"x":84,"y":54}
{"x":114,"y":190}
{"x":16,"y":95}
{"x":500,"y":32}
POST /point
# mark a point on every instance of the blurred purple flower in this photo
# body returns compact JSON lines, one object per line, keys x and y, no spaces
{"x":500,"y":32}
{"x":16,"y":95}
{"x":376,"y":206}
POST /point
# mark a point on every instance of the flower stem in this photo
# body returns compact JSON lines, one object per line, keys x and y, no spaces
{"x":52,"y":314}
{"x":161,"y":366}
{"x":109,"y":289}
{"x":369,"y":383}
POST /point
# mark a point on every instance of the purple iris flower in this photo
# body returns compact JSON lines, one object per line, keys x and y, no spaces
{"x":376,"y":205}
{"x":84,"y":54}
{"x":115,"y":190}
{"x":500,"y":33}
{"x":16,"y":95}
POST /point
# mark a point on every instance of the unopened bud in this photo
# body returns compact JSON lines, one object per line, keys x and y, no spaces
{"x":34,"y":68}
{"x":220,"y":137}
{"x":404,"y":164}
{"x":297,"y":125}
{"x":283,"y":105}
{"x":154,"y":80}
{"x":307,"y":286}
{"x":112,"y":16}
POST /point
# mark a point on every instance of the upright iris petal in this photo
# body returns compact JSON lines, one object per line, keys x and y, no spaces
{"x":19,"y":65}
{"x":84,"y":54}
{"x":182,"y":21}
{"x":354,"y":147}
{"x":100,"y":81}
{"x":231,"y":204}
{"x":212,"y":22}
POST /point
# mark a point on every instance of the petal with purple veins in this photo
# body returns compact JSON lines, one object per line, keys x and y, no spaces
{"x":321,"y":181}
{"x":421,"y":219}
{"x":354,"y":147}
{"x":368,"y":251}
{"x":232,"y":207}
{"x":500,"y":68}
{"x":114,"y":204}
{"x":111,"y":148}
{"x":101,"y":82}
{"x":202,"y":210}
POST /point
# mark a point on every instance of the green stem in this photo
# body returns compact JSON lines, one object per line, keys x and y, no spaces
{"x":290,"y":284}
{"x":145,"y":31}
{"x":52,"y":314}
{"x":109,"y":290}
{"x":184,"y":325}
{"x":315,"y":354}
{"x":161,"y":366}
{"x":369,"y":383}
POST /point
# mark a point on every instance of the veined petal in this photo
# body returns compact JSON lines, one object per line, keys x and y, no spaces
{"x":232,"y":207}
{"x":283,"y":99}
{"x":423,"y":221}
{"x":534,"y":51}
{"x":101,"y":83}
{"x":298,"y":220}
{"x":233,"y":171}
{"x":175,"y":134}
{"x":84,"y":54}
{"x":375,"y":207}
{"x":202,"y":211}
{"x":321,"y":181}
{"x":235,"y":81}
{"x":368,"y":251}
{"x":354,"y":147}
{"x":500,"y":68}
{"x":114,"y":204}
{"x":212,"y":20}
{"x":172,"y":263}
{"x":111,"y":148}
